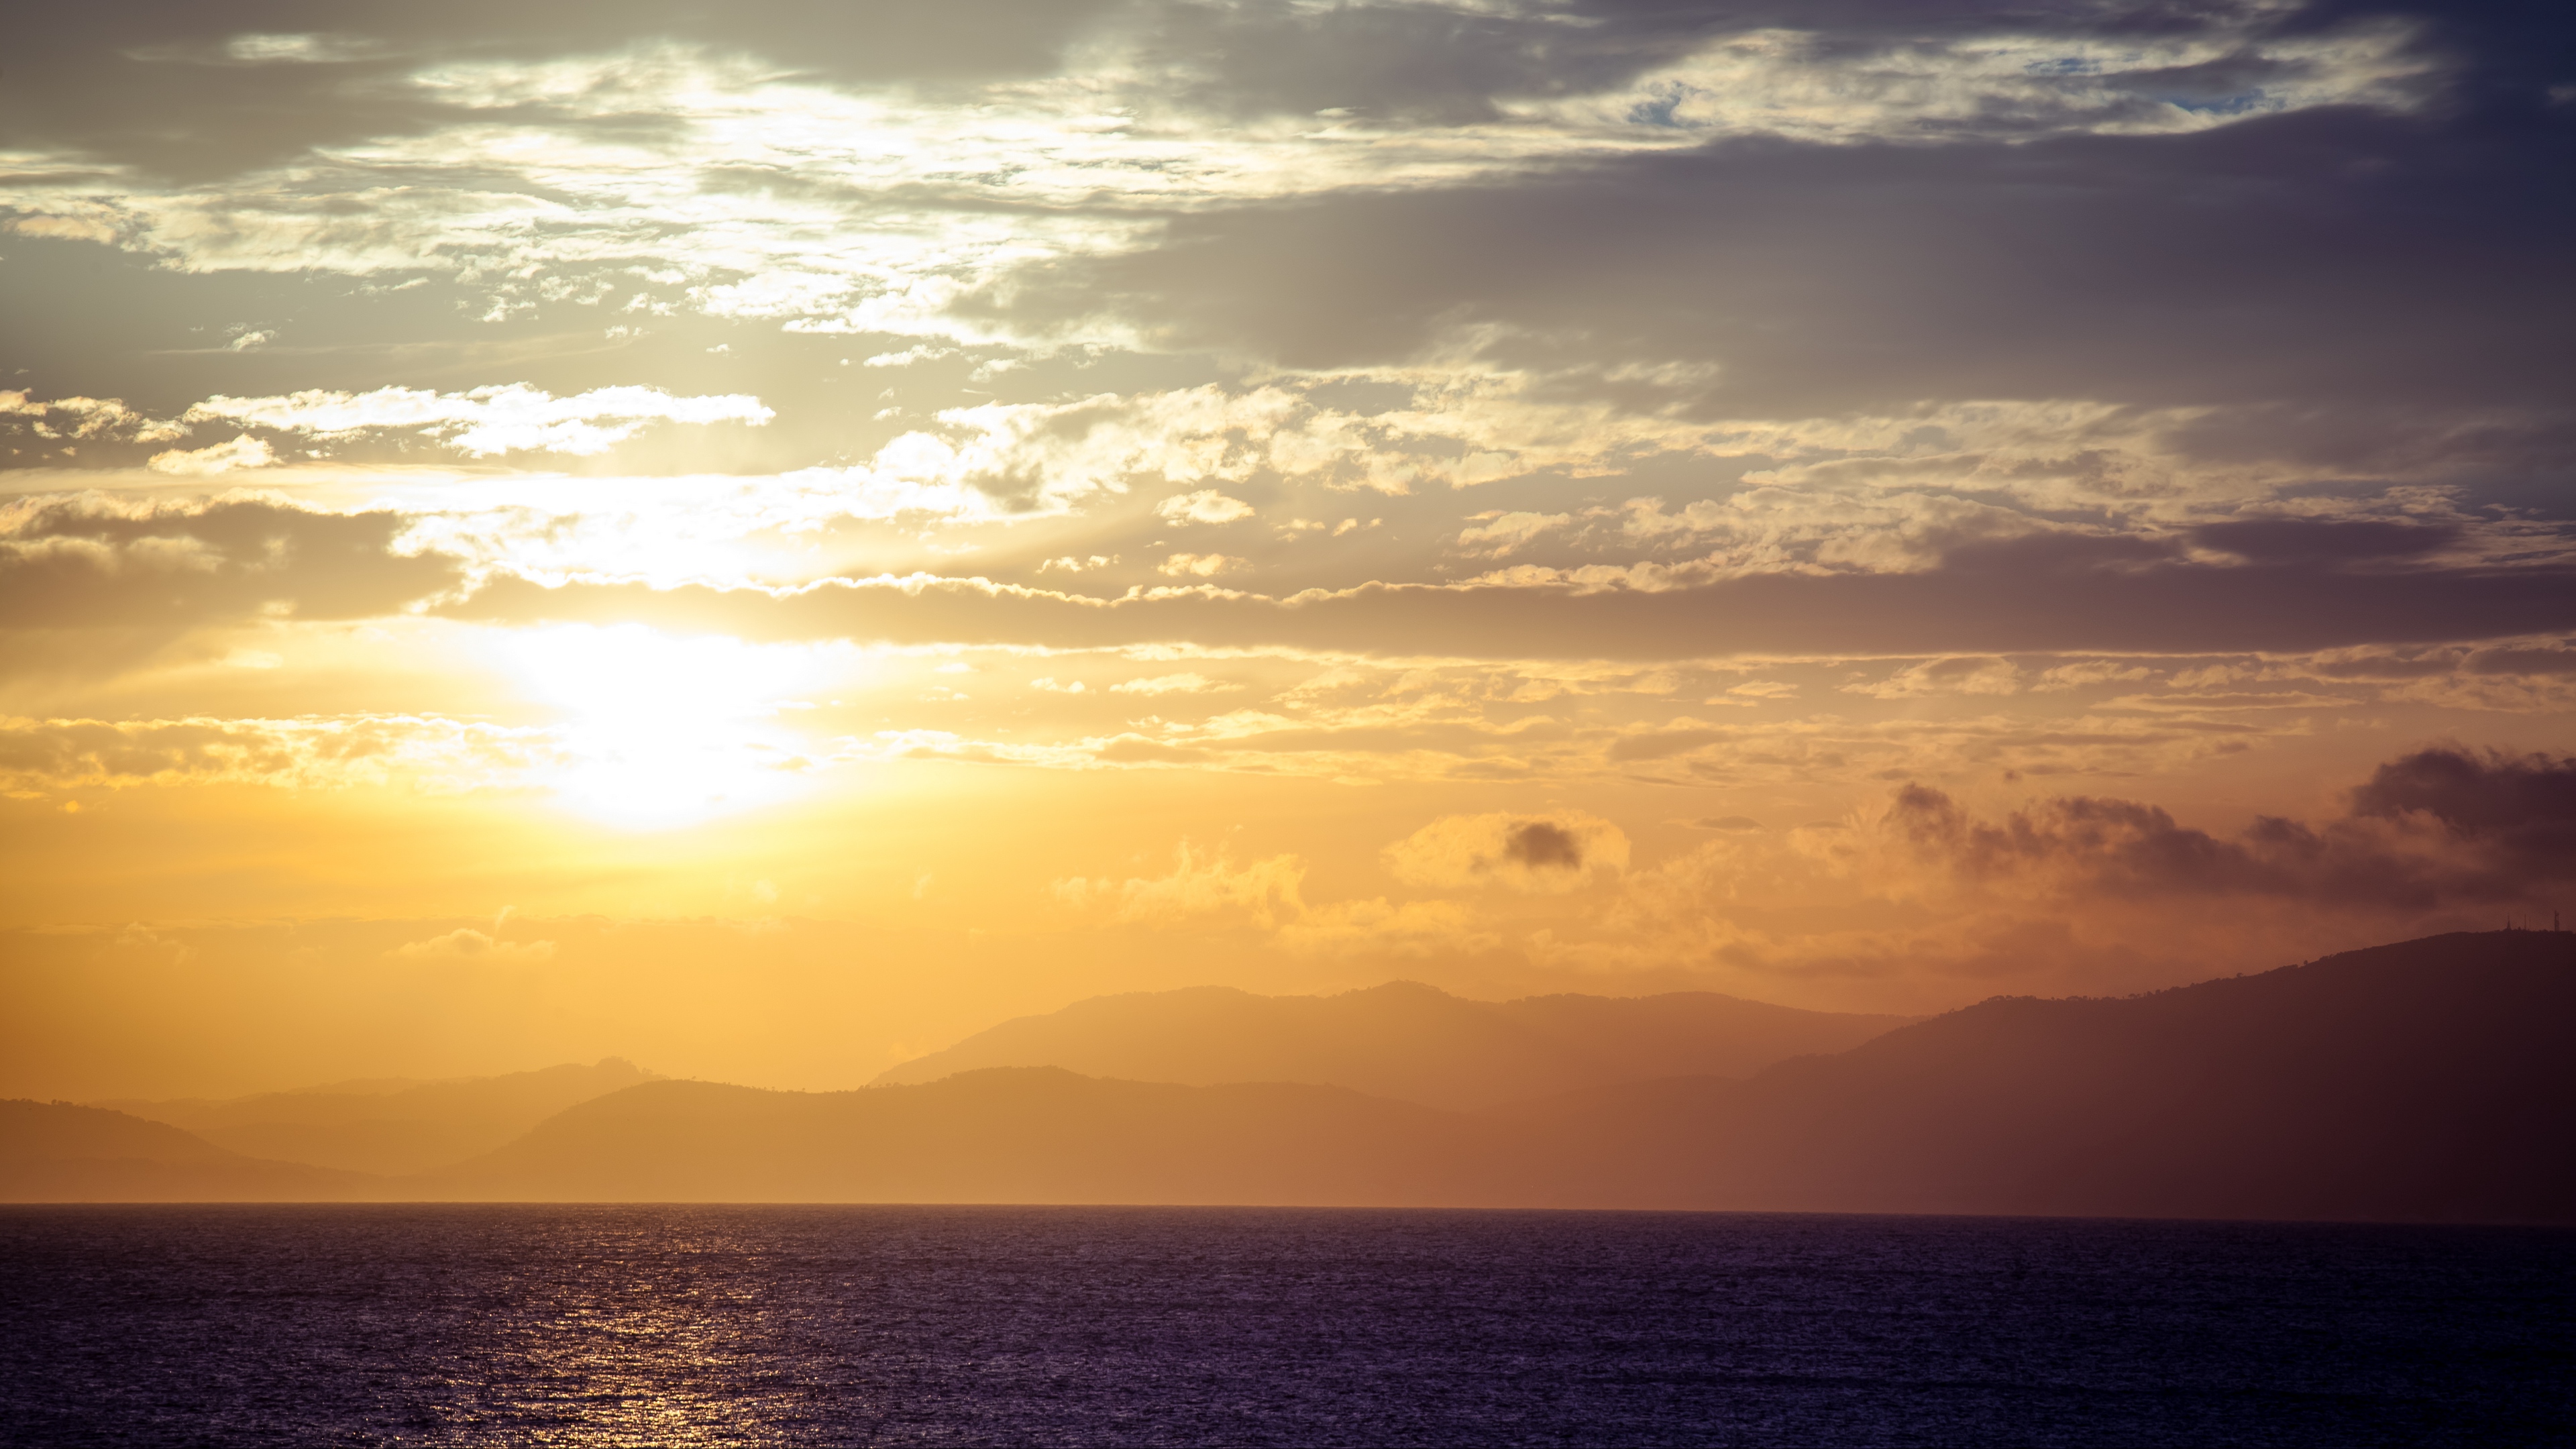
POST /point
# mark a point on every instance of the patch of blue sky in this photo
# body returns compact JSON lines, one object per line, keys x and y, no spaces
{"x":1663,"y":109}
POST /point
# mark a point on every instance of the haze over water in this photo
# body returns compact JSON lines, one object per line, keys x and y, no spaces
{"x":875,"y":1325}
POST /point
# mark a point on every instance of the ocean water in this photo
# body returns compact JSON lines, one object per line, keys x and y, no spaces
{"x":1118,"y":1326}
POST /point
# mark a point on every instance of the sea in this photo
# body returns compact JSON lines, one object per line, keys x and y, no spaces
{"x":811,"y":1325}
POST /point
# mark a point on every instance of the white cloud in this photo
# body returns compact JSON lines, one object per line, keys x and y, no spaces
{"x":467,"y":944}
{"x":525,"y":175}
{"x":243,"y":451}
{"x":910,"y":355}
{"x":1199,"y":565}
{"x":87,"y":417}
{"x":1967,"y":675}
{"x":1171,"y":684}
{"x":486,"y":420}
{"x":1497,"y":534}
{"x":1205,"y":506}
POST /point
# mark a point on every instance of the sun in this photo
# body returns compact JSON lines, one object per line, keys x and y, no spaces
{"x":660,"y":732}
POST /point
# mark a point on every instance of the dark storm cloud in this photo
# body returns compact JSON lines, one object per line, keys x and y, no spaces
{"x":2327,"y":257}
{"x":2441,"y":826}
{"x":67,"y":566}
{"x":2016,"y":598}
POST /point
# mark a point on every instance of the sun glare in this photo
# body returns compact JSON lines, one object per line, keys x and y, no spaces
{"x":663,"y":731}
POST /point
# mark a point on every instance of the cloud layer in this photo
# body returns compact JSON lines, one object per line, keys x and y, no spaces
{"x":1860,"y":503}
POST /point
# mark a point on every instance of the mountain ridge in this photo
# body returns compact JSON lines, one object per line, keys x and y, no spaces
{"x":66,"y":1152}
{"x":1401,"y":1039}
{"x":388,"y":1125}
{"x":2426,"y":1081}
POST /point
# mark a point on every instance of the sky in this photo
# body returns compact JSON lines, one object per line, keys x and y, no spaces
{"x":764,"y":539}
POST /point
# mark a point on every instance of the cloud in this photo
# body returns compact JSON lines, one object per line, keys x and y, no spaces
{"x":800,"y":166}
{"x":2435,"y":828}
{"x":1774,"y":280}
{"x":85,"y":418}
{"x":1170,"y":684}
{"x":1944,"y":676}
{"x":467,"y":944}
{"x":485,"y":421}
{"x":1451,"y":432}
{"x":243,"y":451}
{"x":1497,"y":534}
{"x":1928,"y":895}
{"x":45,"y":756}
{"x":90,"y":563}
{"x":1198,"y":884}
{"x":1134,"y":749}
{"x":1199,"y":565}
{"x":1205,"y":506}
{"x":2275,"y":540}
{"x":2522,"y":808}
{"x":1543,"y":854}
{"x":1268,"y":895}
{"x":2020,"y":599}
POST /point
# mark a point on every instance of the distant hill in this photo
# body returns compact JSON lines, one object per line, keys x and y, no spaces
{"x":2429,"y":1081}
{"x":1028,"y":1134}
{"x":390,"y":1126}
{"x":1404,"y":1040}
{"x":61,"y":1152}
{"x":2433,"y":1080}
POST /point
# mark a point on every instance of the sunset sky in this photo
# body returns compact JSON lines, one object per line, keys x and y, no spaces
{"x":765,"y":538}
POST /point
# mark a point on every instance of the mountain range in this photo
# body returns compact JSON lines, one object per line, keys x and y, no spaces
{"x":389,"y":1125}
{"x":1404,"y":1040}
{"x":2427,"y":1081}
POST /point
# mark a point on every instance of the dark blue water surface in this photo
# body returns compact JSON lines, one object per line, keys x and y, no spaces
{"x":931,"y":1325}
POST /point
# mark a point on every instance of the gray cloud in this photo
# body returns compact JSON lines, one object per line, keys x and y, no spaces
{"x":202,"y":91}
{"x":1543,"y":845}
{"x":2524,"y":807}
{"x":2017,"y":598}
{"x":2438,"y":827}
{"x":2312,"y":258}
{"x":2275,"y":540}
{"x":70,"y":566}
{"x":197,"y":91}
